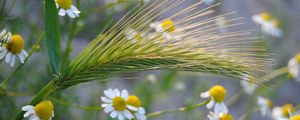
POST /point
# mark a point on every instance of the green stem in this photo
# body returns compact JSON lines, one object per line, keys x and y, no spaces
{"x":88,"y":108}
{"x":39,"y":97}
{"x":182,"y":109}
{"x":2,"y":7}
{"x":3,"y":83}
{"x":275,"y":73}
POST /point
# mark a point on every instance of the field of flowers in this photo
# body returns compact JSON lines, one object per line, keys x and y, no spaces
{"x":149,"y":59}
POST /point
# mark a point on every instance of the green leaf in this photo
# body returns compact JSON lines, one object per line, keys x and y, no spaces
{"x":52,"y":35}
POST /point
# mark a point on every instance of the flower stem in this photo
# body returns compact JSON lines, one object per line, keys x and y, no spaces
{"x":182,"y":109}
{"x":3,"y":83}
{"x":39,"y":97}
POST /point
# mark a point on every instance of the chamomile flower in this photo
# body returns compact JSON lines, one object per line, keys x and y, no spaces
{"x":283,"y":113}
{"x":66,"y":7}
{"x":166,"y":28}
{"x":268,"y":24}
{"x":248,"y":86}
{"x":115,"y":103}
{"x":217,"y":94}
{"x":5,"y":37}
{"x":41,"y":111}
{"x":220,"y":116}
{"x":265,"y":106}
{"x":134,"y":104}
{"x":13,"y":49}
{"x":294,"y":67}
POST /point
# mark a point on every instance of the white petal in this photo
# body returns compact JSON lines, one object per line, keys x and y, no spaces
{"x":141,"y":110}
{"x":34,"y":117}
{"x":124,"y":94}
{"x":120,"y":116}
{"x":27,"y":107}
{"x":2,"y":33}
{"x":29,"y":113}
{"x":220,"y":108}
{"x":132,"y":108}
{"x":127,"y":114}
{"x":21,"y":57}
{"x":117,"y":92}
{"x":210,"y":104}
{"x":8,"y":57}
{"x":75,"y":10}
{"x":105,"y":105}
{"x":108,"y":109}
{"x":2,"y":54}
{"x":62,"y":12}
{"x":104,"y":99}
{"x":25,"y":53}
{"x":70,"y":13}
{"x":113,"y":114}
{"x":205,"y":94}
{"x":12,"y":61}
{"x":110,"y":93}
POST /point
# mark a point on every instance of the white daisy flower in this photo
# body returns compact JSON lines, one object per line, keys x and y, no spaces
{"x":13,"y":49}
{"x":248,"y":86}
{"x":268,"y":24}
{"x":134,"y":104}
{"x":220,"y":116}
{"x":5,"y":37}
{"x":294,"y":67}
{"x":166,"y":28}
{"x":217,"y":94}
{"x":115,"y":104}
{"x":283,"y":113}
{"x":66,"y":7}
{"x":265,"y":106}
{"x":41,"y":111}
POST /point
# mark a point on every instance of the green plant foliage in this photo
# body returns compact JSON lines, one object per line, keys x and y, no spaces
{"x":52,"y":35}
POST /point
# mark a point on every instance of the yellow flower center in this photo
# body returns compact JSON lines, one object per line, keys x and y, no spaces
{"x":286,"y":109}
{"x":65,"y":4}
{"x":168,"y":25}
{"x":119,"y":103}
{"x":44,"y":110}
{"x":297,"y":57}
{"x":16,"y":45}
{"x":226,"y":117}
{"x":265,"y":16}
{"x":133,"y":101}
{"x":218,"y":93}
{"x":297,"y":117}
{"x":269,"y":103}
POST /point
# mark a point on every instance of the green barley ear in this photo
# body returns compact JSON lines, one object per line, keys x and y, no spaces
{"x":187,"y":40}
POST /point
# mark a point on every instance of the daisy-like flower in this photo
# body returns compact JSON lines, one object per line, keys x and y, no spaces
{"x":134,"y":104}
{"x":265,"y":106}
{"x":217,"y":94}
{"x":220,"y":116}
{"x":247,"y":84}
{"x":166,"y":28}
{"x":41,"y":111}
{"x":268,"y":24}
{"x":115,"y":104}
{"x":5,"y":37}
{"x":66,"y":7}
{"x":283,"y":113}
{"x":14,"y":48}
{"x":294,"y":67}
